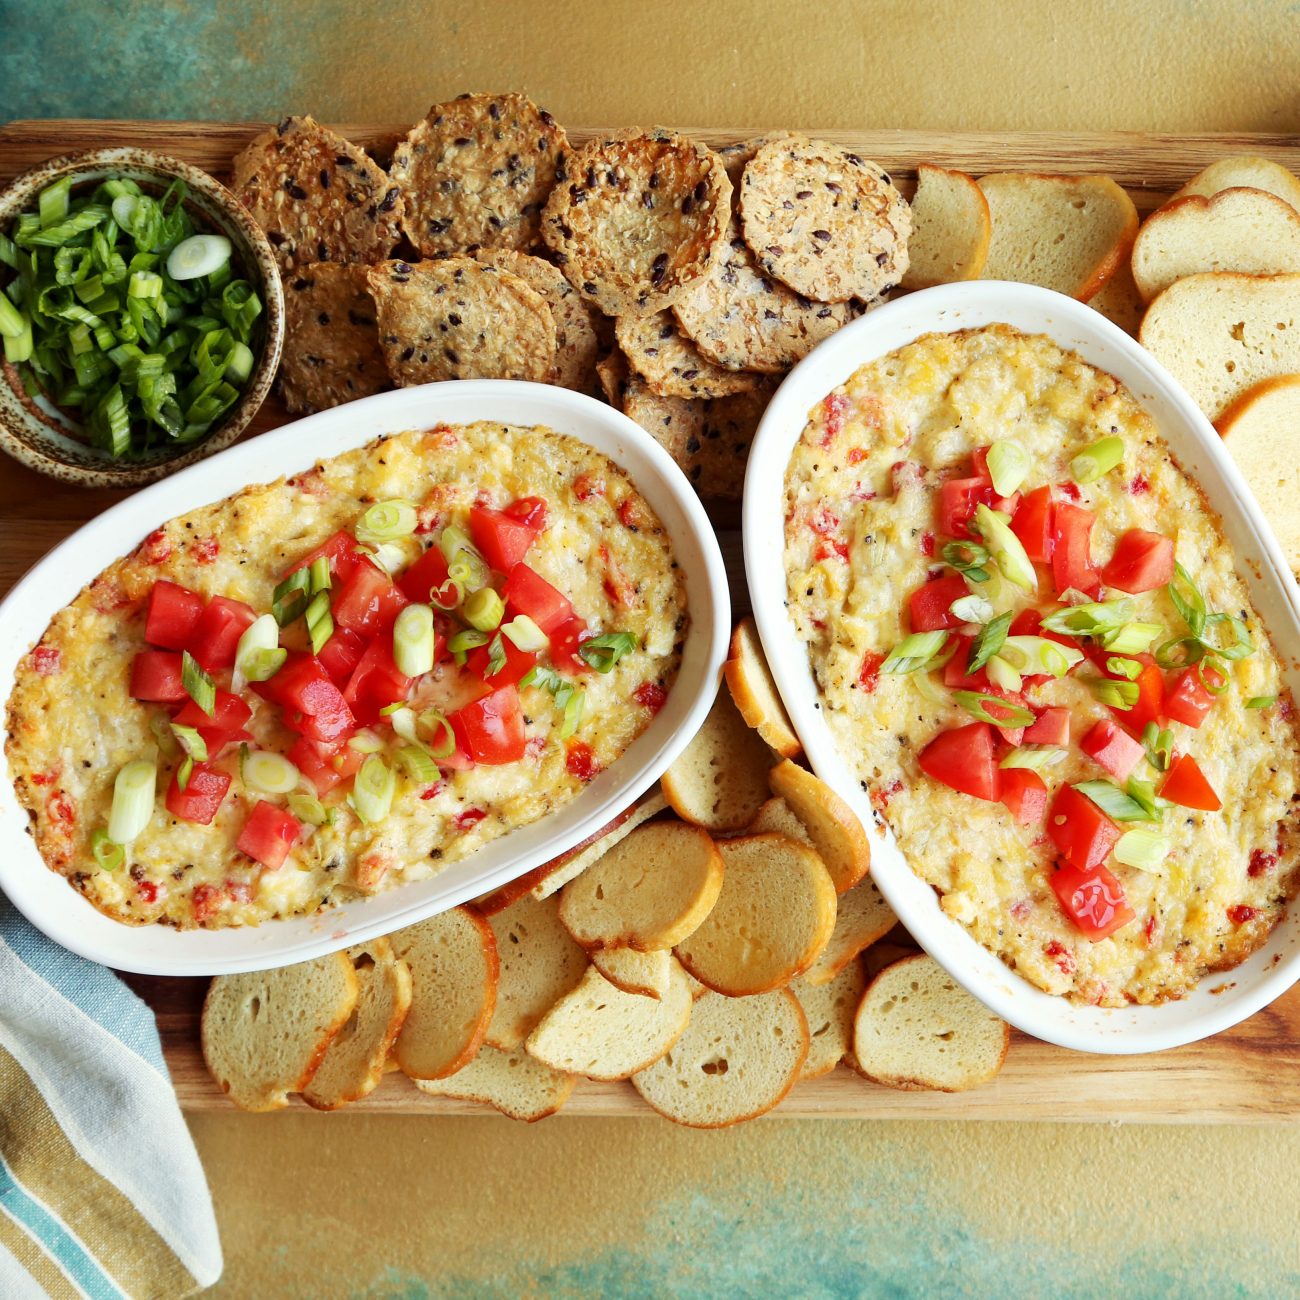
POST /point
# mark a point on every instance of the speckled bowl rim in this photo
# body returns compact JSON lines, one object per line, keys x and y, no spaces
{"x":253,"y":249}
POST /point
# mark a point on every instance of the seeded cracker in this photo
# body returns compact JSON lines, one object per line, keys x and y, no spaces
{"x":736,"y":157}
{"x":670,"y":363}
{"x":824,"y":220}
{"x":577,"y":345}
{"x":331,"y":339}
{"x":709,"y":439}
{"x":612,"y":371}
{"x":319,"y":198}
{"x":635,"y":218}
{"x":742,"y":318}
{"x":476,"y":172}
{"x":458,"y":319}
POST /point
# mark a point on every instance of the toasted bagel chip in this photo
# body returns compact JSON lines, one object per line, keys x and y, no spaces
{"x":951,"y":228}
{"x":830,"y":1009}
{"x":754,"y":692}
{"x":645,"y":973}
{"x":514,"y":1083}
{"x":834,"y":827}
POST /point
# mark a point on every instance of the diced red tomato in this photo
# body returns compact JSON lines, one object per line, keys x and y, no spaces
{"x":216,"y":634}
{"x":1185,"y":785}
{"x":491,"y":730}
{"x":369,"y":602}
{"x":342,"y":552}
{"x":929,"y":605}
{"x":229,"y":717}
{"x":268,"y":835}
{"x":427,"y":574}
{"x":958,"y":498}
{"x":325,"y":765}
{"x":1024,"y":793}
{"x":1150,"y":701}
{"x":1033,"y":524}
{"x":527,"y":592}
{"x":1029,"y":622}
{"x":376,"y":682}
{"x":962,"y":759}
{"x":1241,"y":913}
{"x":1071,"y":550}
{"x":518,"y":662}
{"x":313,"y":704}
{"x":1112,"y":748}
{"x":565,"y":641}
{"x":1092,"y":898}
{"x":504,"y":539}
{"x":171,"y":615}
{"x":47,"y":661}
{"x":1082,"y":833}
{"x":1051,"y":728}
{"x":202,"y":795}
{"x":1142,"y":562}
{"x":529,"y":510}
{"x":1187,"y":701}
{"x":955,"y":676}
{"x":340,"y":655}
{"x":650,"y":696}
{"x":156,"y":676}
{"x":579,"y":760}
{"x":869,"y":671}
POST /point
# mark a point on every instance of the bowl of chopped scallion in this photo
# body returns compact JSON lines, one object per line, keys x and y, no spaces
{"x":141,"y":317}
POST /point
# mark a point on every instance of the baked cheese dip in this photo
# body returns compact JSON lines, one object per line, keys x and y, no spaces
{"x":1032,"y":647}
{"x":335,"y":683}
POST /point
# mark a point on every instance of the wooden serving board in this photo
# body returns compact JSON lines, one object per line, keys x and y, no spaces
{"x":1250,"y":1074}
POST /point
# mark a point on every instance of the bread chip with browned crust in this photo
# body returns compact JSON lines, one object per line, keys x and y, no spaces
{"x":830,"y":1009}
{"x":514,"y":1083}
{"x":833,"y":826}
{"x":750,"y":681}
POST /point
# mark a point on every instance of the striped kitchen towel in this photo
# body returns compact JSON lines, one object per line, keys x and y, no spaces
{"x":101,"y":1190}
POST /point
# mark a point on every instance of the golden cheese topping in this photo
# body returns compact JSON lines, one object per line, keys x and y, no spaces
{"x":861,"y":523}
{"x":73,"y":723}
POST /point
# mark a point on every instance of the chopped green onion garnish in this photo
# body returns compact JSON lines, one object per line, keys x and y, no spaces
{"x":373,"y":788}
{"x":465,"y":566}
{"x":1009,"y":465}
{"x":968,"y":558}
{"x":307,"y":808}
{"x":1036,"y":758}
{"x":1113,"y":801}
{"x":1261,"y":701}
{"x":366,"y":742}
{"x":1003,"y":675}
{"x":546,"y":679}
{"x":604,"y":651}
{"x":443,"y":744}
{"x":1038,"y":656}
{"x":1113,"y":694}
{"x":268,"y":772}
{"x":1159,"y":745}
{"x":1179,"y":652}
{"x":1096,"y":459}
{"x":989,"y":642}
{"x":320,"y":621}
{"x":1187,"y":600}
{"x":1126,"y":668}
{"x":972,"y":609}
{"x":524,"y":634}
{"x":914,"y":652}
{"x":318,"y":574}
{"x":386,"y":521}
{"x":198,"y":685}
{"x":1217,"y":683}
{"x":258,"y":655}
{"x":1241,"y":645}
{"x":574,"y":705}
{"x":496,"y":656}
{"x":198,"y":255}
{"x":1093,"y":618}
{"x":417,"y":763}
{"x":12,"y":321}
{"x":1006,"y":548}
{"x":289,"y":599}
{"x":1142,"y":848}
{"x":133,"y":800}
{"x":387,"y":556}
{"x":160,"y":725}
{"x":981,"y":705}
{"x":459,"y":644}
{"x":1131,"y":638}
{"x":1143,"y":793}
{"x":183,"y":774}
{"x":448,"y":596}
{"x":190,"y":742}
{"x":53,"y":202}
{"x":484,"y":610}
{"x":108,"y":855}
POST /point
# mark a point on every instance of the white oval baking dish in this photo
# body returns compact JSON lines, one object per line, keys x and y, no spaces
{"x":55,"y":907}
{"x":1220,"y":1000}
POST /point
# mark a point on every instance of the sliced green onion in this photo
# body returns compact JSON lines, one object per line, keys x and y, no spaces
{"x":289,"y":599}
{"x":160,"y":725}
{"x":1216,"y":685}
{"x":1126,"y":668}
{"x":401,"y":718}
{"x":1131,"y":638}
{"x":190,"y":742}
{"x":307,"y":808}
{"x":133,"y":801}
{"x":989,"y":642}
{"x":373,"y":788}
{"x":1115,"y":695}
{"x":980,"y":705}
{"x":320,"y":621}
{"x":1143,"y":848}
{"x":1261,"y":701}
{"x":366,"y":742}
{"x":914,"y":652}
{"x":1180,"y":652}
{"x":1143,"y":793}
{"x":460,"y":643}
{"x":258,"y":655}
{"x":387,"y":556}
{"x":1113,"y":801}
{"x":417,"y":763}
{"x":496,"y":656}
{"x":318,"y":573}
{"x":1006,"y":548}
{"x":546,"y":679}
{"x":198,"y":255}
{"x":1039,"y":656}
{"x":972,"y":609}
{"x":1093,"y":618}
{"x":968,"y":558}
{"x":1096,"y":459}
{"x":183,"y":774}
{"x":604,"y":651}
{"x":443,"y":744}
{"x":1187,"y":600}
{"x":1242,"y":643}
{"x":12,"y":321}
{"x":1003,"y":675}
{"x":1009,"y":465}
{"x":270,"y":773}
{"x":386,"y":521}
{"x":524,"y":634}
{"x":1036,"y":758}
{"x":1159,"y":745}
{"x":484,"y":610}
{"x":413,"y":640}
{"x":198,"y":685}
{"x":465,"y":565}
{"x":574,"y":705}
{"x":108,"y":855}
{"x":447,"y":596}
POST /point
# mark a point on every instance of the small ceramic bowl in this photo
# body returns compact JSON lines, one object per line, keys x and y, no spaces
{"x":47,"y":440}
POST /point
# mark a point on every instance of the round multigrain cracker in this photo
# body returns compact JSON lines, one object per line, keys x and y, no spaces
{"x":577,"y":344}
{"x":459,"y":319}
{"x":476,"y":172}
{"x":635,"y":218}
{"x":318,"y":197}
{"x":736,"y":157}
{"x":331,"y":339}
{"x":824,"y":220}
{"x":670,"y":364}
{"x":744,"y":319}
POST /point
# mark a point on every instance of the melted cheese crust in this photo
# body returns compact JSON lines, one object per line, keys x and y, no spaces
{"x":865,"y":476}
{"x":72,"y":722}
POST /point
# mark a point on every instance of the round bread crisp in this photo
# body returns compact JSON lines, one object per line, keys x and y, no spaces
{"x":476,"y":172}
{"x":670,"y":364}
{"x":577,"y":345}
{"x":745,"y":320}
{"x":459,"y":319}
{"x":830,"y":1009}
{"x":318,"y":197}
{"x":331,"y":339}
{"x":635,"y":218}
{"x":835,"y":830}
{"x":824,"y":220}
{"x":754,"y":692}
{"x":738,"y":1058}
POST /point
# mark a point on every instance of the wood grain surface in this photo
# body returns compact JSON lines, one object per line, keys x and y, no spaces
{"x":1250,"y":1074}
